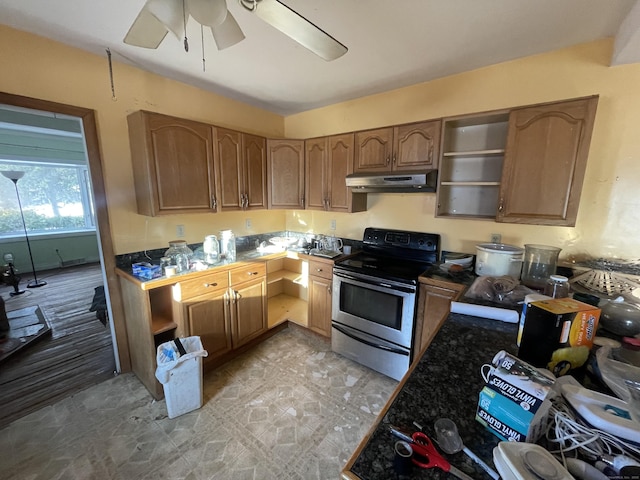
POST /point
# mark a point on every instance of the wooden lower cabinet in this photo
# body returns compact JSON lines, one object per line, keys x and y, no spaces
{"x":320,"y":296}
{"x":434,"y":305}
{"x":248,"y":312}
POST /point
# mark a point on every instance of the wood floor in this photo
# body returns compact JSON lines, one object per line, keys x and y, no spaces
{"x":77,"y":354}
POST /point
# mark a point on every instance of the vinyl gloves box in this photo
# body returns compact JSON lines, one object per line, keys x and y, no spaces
{"x":514,"y":403}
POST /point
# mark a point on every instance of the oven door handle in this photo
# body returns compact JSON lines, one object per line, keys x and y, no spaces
{"x":397,"y":288}
{"x":371,"y":344}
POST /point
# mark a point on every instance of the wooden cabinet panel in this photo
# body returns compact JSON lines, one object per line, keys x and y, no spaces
{"x":247,"y":272}
{"x":228,"y":158}
{"x":172,"y":164}
{"x":545,"y":162}
{"x":202,"y":285}
{"x":416,"y":145}
{"x":320,"y":305}
{"x":254,"y":173}
{"x":208,"y":318}
{"x":322,"y":269}
{"x":373,"y":150}
{"x":249,"y":311}
{"x":285,"y":170}
{"x":316,"y":171}
{"x":434,"y":305}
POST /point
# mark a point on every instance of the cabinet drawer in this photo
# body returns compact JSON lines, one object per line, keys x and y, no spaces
{"x":200,"y":286}
{"x":321,"y":269}
{"x":248,"y":272}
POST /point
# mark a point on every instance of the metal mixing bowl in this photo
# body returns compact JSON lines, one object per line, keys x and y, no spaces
{"x":621,"y":318}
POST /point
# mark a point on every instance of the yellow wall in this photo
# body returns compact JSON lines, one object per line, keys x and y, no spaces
{"x":609,"y":212}
{"x":608,"y":223}
{"x":35,"y":67}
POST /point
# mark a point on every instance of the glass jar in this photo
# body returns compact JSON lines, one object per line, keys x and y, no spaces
{"x":539,"y":264}
{"x":228,"y":245}
{"x":557,"y":287}
{"x":211,"y":249}
{"x":180,"y":255}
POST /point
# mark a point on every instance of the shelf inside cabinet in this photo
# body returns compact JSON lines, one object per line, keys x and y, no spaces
{"x":476,"y":153}
{"x":278,"y":275}
{"x":471,"y":184}
{"x":162,"y":324}
{"x":283,"y":307}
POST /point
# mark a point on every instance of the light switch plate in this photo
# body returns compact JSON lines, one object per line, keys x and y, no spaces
{"x":333,"y":224}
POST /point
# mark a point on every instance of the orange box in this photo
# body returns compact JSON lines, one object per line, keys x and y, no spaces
{"x":558,"y":334}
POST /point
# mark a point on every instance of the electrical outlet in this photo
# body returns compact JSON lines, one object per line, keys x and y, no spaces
{"x":247,"y":223}
{"x":496,"y":238}
{"x":180,"y":231}
{"x":333,"y":224}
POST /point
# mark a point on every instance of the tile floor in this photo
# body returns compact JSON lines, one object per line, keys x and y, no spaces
{"x":288,"y":409}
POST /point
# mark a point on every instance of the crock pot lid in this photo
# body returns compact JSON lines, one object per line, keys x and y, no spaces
{"x":499,"y":248}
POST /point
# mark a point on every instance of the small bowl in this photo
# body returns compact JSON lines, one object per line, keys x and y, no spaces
{"x":621,"y":318}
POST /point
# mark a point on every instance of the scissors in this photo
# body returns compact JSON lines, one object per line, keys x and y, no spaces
{"x":425,"y":454}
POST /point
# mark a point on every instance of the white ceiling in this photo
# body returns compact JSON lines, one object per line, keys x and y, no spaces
{"x":392,"y":43}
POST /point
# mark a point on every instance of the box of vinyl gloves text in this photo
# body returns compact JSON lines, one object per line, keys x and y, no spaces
{"x":514,"y":403}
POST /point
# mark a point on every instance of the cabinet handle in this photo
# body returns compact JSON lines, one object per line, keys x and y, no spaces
{"x":214,"y":202}
{"x":319,"y":269}
{"x":388,"y":160}
{"x":226,"y":298}
{"x":302,"y":202}
{"x":394,"y":158}
{"x":207,"y":285}
{"x":501,"y":206}
{"x":245,"y":200}
{"x":329,"y":290}
{"x":234,"y":298}
{"x":252,"y":273}
{"x":237,"y":295}
{"x":431,"y":153}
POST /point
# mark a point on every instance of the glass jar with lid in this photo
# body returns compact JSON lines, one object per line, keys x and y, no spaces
{"x":180,"y":255}
{"x":228,"y":245}
{"x":557,"y":287}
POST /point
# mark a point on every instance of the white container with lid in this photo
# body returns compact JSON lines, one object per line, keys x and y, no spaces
{"x":497,"y":259}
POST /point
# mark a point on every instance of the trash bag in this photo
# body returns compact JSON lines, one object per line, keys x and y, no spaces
{"x":169,"y":356}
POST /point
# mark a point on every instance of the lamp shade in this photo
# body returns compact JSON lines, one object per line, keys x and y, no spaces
{"x":13,"y":175}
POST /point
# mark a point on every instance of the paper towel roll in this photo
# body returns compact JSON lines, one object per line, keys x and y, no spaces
{"x":494,"y":313}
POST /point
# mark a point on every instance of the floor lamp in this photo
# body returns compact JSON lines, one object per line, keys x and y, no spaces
{"x":14,"y":176}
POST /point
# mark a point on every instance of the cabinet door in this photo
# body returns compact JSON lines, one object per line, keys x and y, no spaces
{"x":208,"y":318}
{"x":285,"y":170}
{"x":434,"y":305}
{"x":416,"y":145}
{"x":316,"y":169}
{"x":545,"y":162}
{"x":249,"y":311}
{"x":172,"y":164}
{"x":228,"y":158}
{"x":254,"y":172}
{"x":341,"y":157}
{"x":319,"y":318}
{"x":373,"y":150}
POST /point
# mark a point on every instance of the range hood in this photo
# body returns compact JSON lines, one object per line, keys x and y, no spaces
{"x":401,"y":182}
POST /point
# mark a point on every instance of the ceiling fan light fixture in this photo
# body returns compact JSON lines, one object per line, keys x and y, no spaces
{"x":209,"y":13}
{"x":146,"y":31}
{"x":170,"y":13}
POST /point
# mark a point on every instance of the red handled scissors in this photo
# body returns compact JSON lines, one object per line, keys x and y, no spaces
{"x":425,"y":454}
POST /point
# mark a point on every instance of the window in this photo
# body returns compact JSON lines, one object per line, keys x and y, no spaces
{"x":55,"y":190}
{"x":54,"y":199}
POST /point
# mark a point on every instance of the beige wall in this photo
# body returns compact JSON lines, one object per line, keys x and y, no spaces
{"x":35,"y":67}
{"x":608,"y":223}
{"x":609,"y":211}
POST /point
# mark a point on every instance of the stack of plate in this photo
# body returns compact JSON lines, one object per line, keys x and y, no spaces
{"x":459,"y":260}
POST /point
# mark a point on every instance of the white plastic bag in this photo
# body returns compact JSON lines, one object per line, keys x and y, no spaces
{"x":168,"y":357}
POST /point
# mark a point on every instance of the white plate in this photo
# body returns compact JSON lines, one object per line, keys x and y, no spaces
{"x":283,"y":240}
{"x":464,"y":261}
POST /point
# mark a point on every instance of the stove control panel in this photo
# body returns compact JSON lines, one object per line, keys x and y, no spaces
{"x":383,"y":238}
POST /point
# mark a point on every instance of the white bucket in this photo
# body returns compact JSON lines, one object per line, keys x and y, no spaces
{"x":498,"y":259}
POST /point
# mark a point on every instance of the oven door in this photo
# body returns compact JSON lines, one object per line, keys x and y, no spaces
{"x":374,"y":306}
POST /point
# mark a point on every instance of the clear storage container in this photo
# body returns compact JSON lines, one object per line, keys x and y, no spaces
{"x":180,"y":255}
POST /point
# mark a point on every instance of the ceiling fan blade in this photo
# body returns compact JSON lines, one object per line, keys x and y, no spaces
{"x":146,"y":31}
{"x":300,"y":29}
{"x":170,"y":13}
{"x":228,"y":33}
{"x":208,"y":12}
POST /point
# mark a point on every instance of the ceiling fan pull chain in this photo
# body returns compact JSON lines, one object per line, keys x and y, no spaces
{"x":113,"y":88}
{"x":184,"y":19}
{"x":202,"y":39}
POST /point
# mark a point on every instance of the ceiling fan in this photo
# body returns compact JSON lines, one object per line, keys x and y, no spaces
{"x":158,"y":17}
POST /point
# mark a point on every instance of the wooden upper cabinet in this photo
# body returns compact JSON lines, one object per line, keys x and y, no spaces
{"x":172,"y":164}
{"x":413,"y":146}
{"x":285,"y":172}
{"x":254,"y":172}
{"x":373,"y":150}
{"x":416,"y":145}
{"x":316,"y":171}
{"x":328,"y":162}
{"x":241,"y":166}
{"x":545,"y":162}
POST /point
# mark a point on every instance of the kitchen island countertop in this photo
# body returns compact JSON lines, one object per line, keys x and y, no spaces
{"x":445,"y":382}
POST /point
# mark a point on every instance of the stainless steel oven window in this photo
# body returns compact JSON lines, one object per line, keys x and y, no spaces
{"x":375,"y":306}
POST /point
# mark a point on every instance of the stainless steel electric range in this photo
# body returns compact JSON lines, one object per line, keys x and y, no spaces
{"x":374,"y":298}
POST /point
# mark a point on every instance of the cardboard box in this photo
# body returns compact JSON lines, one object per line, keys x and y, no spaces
{"x":558,"y":334}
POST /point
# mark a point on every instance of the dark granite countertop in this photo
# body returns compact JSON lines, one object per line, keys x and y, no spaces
{"x":445,"y":383}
